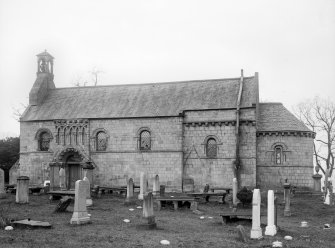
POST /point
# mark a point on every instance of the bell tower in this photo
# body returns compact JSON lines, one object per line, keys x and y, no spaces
{"x":45,"y":78}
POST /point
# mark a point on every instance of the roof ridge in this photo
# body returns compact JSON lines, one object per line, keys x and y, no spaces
{"x":273,"y":103}
{"x":160,"y":83}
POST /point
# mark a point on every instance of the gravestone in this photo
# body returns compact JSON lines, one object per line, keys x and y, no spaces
{"x":63,"y":204}
{"x":271,"y":229}
{"x":317,"y":182}
{"x":89,"y":201}
{"x":276,"y":212}
{"x":287,"y":210}
{"x":80,"y":215}
{"x":62,"y":179}
{"x":130,"y":191}
{"x":156,"y":186}
{"x":28,"y":223}
{"x":242,"y":236}
{"x":22,"y":190}
{"x":2,"y":184}
{"x":148,"y":210}
{"x":256,"y":230}
{"x":143,"y":185}
{"x":235,"y":187}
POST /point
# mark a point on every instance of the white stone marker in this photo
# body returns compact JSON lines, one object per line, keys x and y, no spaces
{"x":148,"y":210}
{"x":143,"y":185}
{"x":89,"y":201}
{"x":256,"y":230}
{"x":271,"y":229}
{"x":130,"y":190}
{"x":2,"y":184}
{"x":80,"y":215}
{"x":235,"y":192}
{"x":156,"y":186}
{"x":62,"y":179}
{"x":22,"y":190}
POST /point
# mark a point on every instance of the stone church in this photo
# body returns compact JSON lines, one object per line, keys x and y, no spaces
{"x":189,"y":133}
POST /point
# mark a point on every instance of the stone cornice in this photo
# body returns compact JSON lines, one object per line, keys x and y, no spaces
{"x":218,"y":123}
{"x":287,"y":133}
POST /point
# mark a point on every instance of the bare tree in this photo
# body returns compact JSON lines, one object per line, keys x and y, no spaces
{"x":18,"y":111}
{"x":94,"y":78}
{"x":319,"y":115}
{"x":95,"y":73}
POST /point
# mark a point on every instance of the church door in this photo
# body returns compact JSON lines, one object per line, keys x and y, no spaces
{"x":74,"y":175}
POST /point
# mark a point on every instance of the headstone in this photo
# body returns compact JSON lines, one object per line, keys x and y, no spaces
{"x":143,"y":185}
{"x":241,"y":234}
{"x":2,"y":184}
{"x":317,"y":182}
{"x":63,"y":204}
{"x":287,"y":210}
{"x":256,"y":230}
{"x":28,"y":223}
{"x":62,"y":179}
{"x":276,"y":212}
{"x":235,"y":187}
{"x":148,"y":210}
{"x":80,"y":215}
{"x":156,"y":186}
{"x":206,"y":189}
{"x":162,"y":190}
{"x":130,"y":191}
{"x":22,"y":190}
{"x":271,"y":229}
{"x":89,"y":201}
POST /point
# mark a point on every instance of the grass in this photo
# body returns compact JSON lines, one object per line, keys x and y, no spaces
{"x":182,"y":228}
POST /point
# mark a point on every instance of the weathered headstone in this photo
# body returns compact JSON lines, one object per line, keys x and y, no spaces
{"x":2,"y":184}
{"x":62,"y":179}
{"x":271,"y":229}
{"x":287,"y":209}
{"x":63,"y":204}
{"x":276,"y":212}
{"x":130,"y":191}
{"x":235,"y":187}
{"x":22,"y":190}
{"x":89,"y":201}
{"x":148,"y":210}
{"x":242,"y":236}
{"x":80,"y":215}
{"x":156,"y":186}
{"x":317,"y":182}
{"x":256,"y":230}
{"x":143,"y":185}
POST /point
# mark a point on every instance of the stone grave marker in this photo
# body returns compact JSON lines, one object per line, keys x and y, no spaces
{"x":235,"y":188}
{"x":130,"y":191}
{"x":63,"y":204}
{"x":287,"y":210}
{"x":2,"y":184}
{"x":156,"y":186}
{"x":28,"y":223}
{"x":242,"y":236}
{"x":80,"y":215}
{"x":89,"y":201}
{"x":256,"y":230}
{"x":148,"y":211}
{"x":22,"y":190}
{"x":271,"y":229}
{"x":143,"y":185}
{"x":62,"y":179}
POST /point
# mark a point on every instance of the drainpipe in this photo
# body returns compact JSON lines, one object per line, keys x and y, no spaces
{"x":237,"y":164}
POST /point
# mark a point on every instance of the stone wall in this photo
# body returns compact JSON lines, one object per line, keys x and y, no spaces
{"x":297,"y":167}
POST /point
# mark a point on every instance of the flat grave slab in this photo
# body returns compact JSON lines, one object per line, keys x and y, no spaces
{"x":27,"y":223}
{"x":240,"y":214}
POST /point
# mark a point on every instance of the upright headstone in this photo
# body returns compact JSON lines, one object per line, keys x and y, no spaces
{"x":22,"y":190}
{"x":148,"y":210}
{"x":317,"y":182}
{"x":256,"y":230}
{"x":80,"y":215}
{"x":89,"y":201}
{"x":62,"y":179}
{"x":276,"y":212}
{"x":156,"y":186}
{"x":2,"y":184}
{"x":287,"y":210}
{"x":235,"y":187}
{"x":143,"y":185}
{"x":130,"y":191}
{"x":271,"y":229}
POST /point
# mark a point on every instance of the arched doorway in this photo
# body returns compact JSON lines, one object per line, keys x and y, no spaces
{"x":72,"y":170}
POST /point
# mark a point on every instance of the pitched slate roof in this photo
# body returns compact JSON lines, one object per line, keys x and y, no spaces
{"x":142,"y":100}
{"x":275,"y":117}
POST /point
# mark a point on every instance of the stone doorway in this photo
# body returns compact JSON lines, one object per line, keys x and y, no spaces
{"x":72,"y":170}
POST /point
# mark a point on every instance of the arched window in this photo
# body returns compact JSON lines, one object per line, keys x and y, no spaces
{"x":44,"y":141}
{"x":145,"y":140}
{"x":211,"y":148}
{"x":101,"y":141}
{"x":278,"y":154}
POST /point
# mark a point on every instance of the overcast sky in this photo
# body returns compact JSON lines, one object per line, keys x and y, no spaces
{"x":290,"y":43}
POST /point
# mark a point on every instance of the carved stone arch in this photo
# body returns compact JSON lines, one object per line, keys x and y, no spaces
{"x":140,"y":130}
{"x":218,"y":141}
{"x":94,"y":138}
{"x":97,"y":130}
{"x":140,"y":146}
{"x":283,"y":145}
{"x":43,"y":130}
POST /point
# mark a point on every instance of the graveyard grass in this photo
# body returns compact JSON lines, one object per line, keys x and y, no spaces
{"x":182,"y":228}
